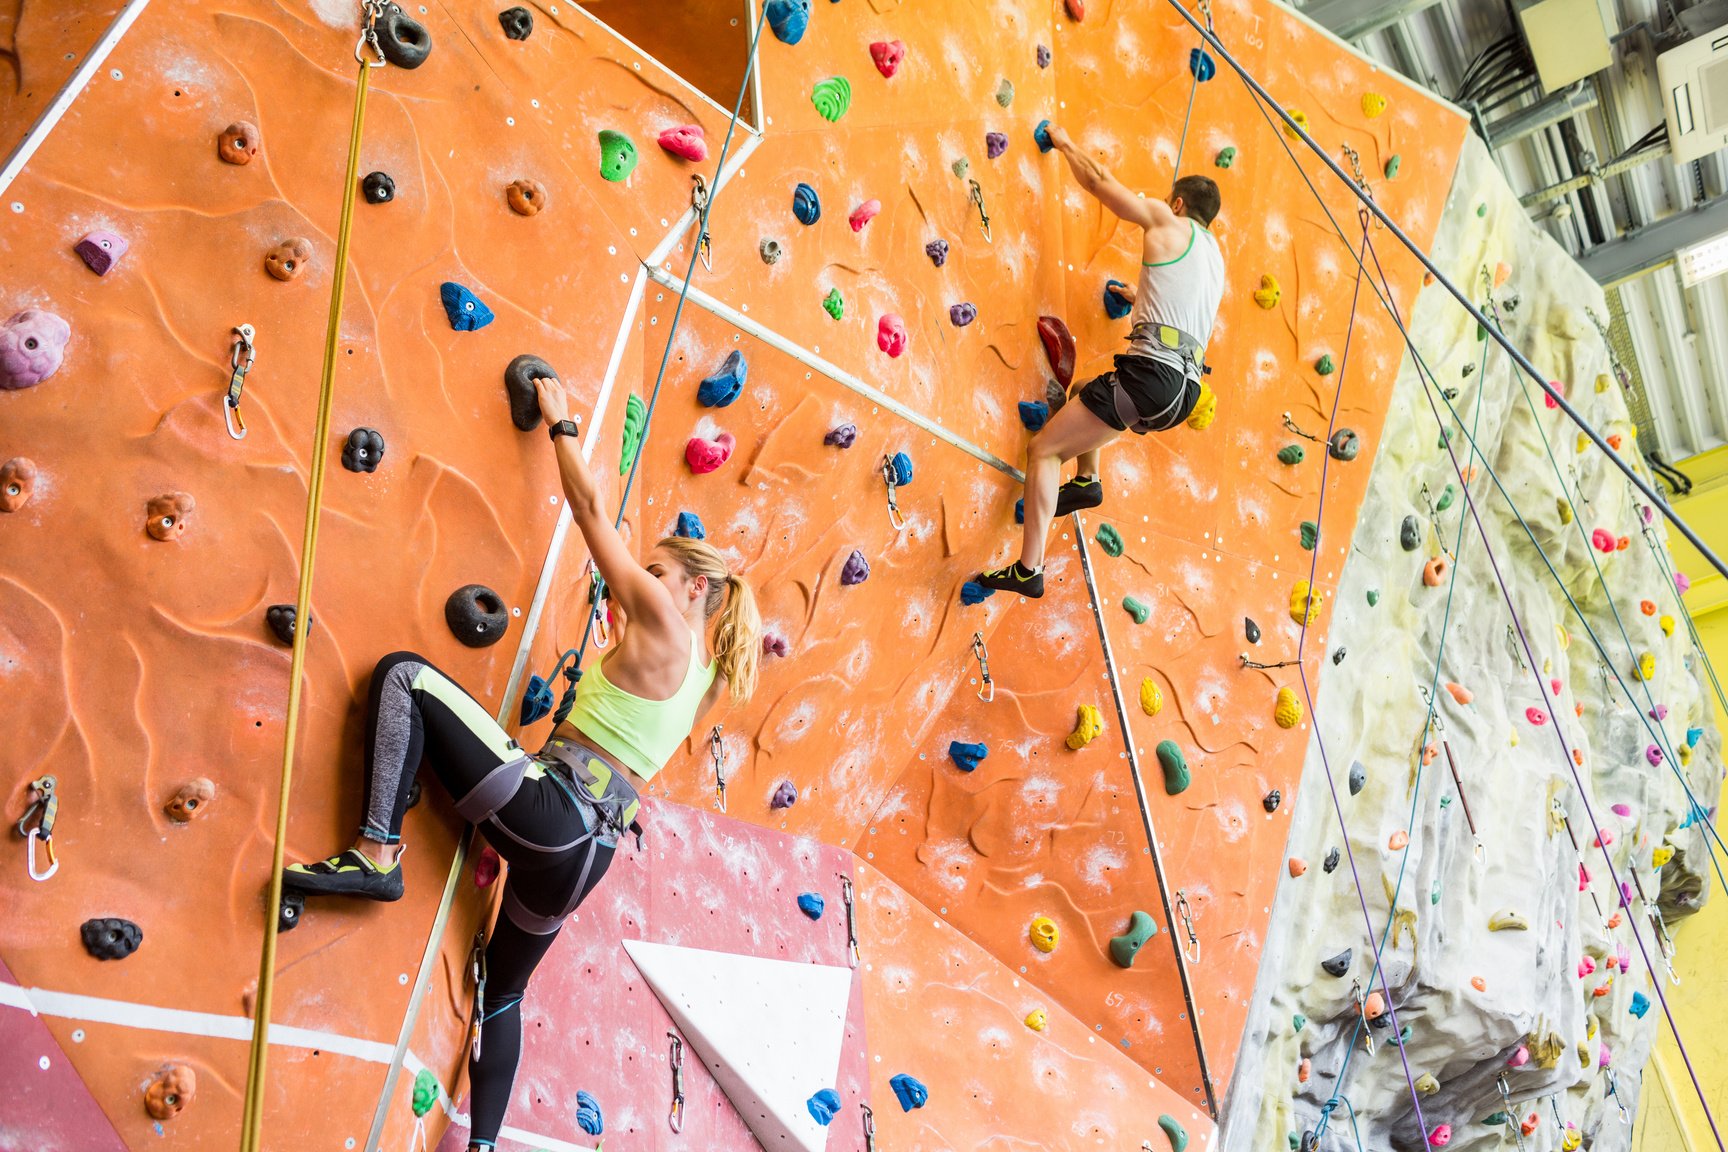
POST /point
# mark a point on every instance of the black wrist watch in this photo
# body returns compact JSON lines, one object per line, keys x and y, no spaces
{"x":564,"y":428}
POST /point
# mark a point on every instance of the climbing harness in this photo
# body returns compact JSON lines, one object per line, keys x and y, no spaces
{"x":986,"y":686}
{"x":1191,"y":946}
{"x":244,"y":352}
{"x":717,"y":750}
{"x":851,"y":920}
{"x":869,"y":1127}
{"x":477,"y":975}
{"x":1189,"y":350}
{"x":892,"y":478}
{"x":675,"y":1117}
{"x":44,"y":808}
{"x":978,"y":203}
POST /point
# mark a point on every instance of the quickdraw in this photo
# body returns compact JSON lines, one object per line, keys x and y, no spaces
{"x":44,"y":809}
{"x":1191,"y":948}
{"x":699,"y":202}
{"x":244,"y":351}
{"x":869,"y":1128}
{"x":851,"y":920}
{"x":1247,"y":663}
{"x":1361,"y":999}
{"x":1510,"y":1112}
{"x":370,"y":11}
{"x":892,"y":478}
{"x":977,"y":197}
{"x":1664,"y":943}
{"x":477,"y":974}
{"x":1614,"y":1091}
{"x":717,"y":750}
{"x":599,"y":607}
{"x":1291,"y":426}
{"x":986,"y":686}
{"x":1517,"y":648}
{"x":675,"y":1118}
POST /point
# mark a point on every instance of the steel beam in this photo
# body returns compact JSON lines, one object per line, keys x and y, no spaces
{"x":1354,"y":19}
{"x":1650,"y":248}
{"x":1561,"y":105}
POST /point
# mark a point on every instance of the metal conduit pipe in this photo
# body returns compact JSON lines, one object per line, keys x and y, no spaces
{"x":1594,"y":176}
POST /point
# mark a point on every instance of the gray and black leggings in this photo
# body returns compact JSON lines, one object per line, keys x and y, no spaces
{"x":530,"y":815}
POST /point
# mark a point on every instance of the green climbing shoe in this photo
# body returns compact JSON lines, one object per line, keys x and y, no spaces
{"x":1078,"y":494}
{"x":349,"y":873}
{"x":1014,"y":578}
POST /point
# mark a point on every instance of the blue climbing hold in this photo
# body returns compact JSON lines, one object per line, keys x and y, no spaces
{"x":971,"y":593}
{"x":1033,"y":414}
{"x":901,"y":466}
{"x":588,"y":1116}
{"x":825,"y":1105}
{"x":1041,"y":135}
{"x":1115,"y":306}
{"x":810,"y":903}
{"x":806,"y":205}
{"x":1200,"y":65}
{"x":1640,"y":1005}
{"x":1693,"y":735}
{"x":723,"y":387}
{"x":465,"y":310}
{"x":967,"y":757}
{"x":537,"y":700}
{"x":1020,"y":511}
{"x":690,"y":527}
{"x":788,"y":19}
{"x":908,"y":1091}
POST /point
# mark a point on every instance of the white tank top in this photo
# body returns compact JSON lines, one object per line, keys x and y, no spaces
{"x":1183,"y":293}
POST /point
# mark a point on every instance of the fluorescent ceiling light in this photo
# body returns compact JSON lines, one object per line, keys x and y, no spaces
{"x":1702,"y":261}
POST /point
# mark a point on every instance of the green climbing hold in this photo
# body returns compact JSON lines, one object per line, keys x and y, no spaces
{"x":832,"y":97}
{"x":1373,"y":597}
{"x":1445,"y":801}
{"x":960,"y":167}
{"x":1310,"y":535}
{"x":635,"y":419}
{"x":1392,"y":165}
{"x":1434,"y":893}
{"x":617,"y":155}
{"x":1225,"y":157}
{"x":1175,"y":767}
{"x":1136,"y":609}
{"x":426,"y":1092}
{"x":1005,"y":92}
{"x":1295,"y":1142}
{"x":1178,"y":1134}
{"x":1291,"y":454}
{"x":1446,"y":499}
{"x":1123,"y":948}
{"x":1481,"y":210}
{"x":1298,"y":1022}
{"x":1443,"y":441}
{"x":834,"y":303}
{"x":1494,"y":1119}
{"x":1324,"y":365}
{"x":1110,"y":540}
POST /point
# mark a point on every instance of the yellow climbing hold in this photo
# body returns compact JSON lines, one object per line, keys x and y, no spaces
{"x":1667,"y":623}
{"x":1661,"y":854}
{"x":1426,"y":1084}
{"x":1205,"y":409}
{"x":1601,"y":381}
{"x":1044,"y":934}
{"x":1583,"y":442}
{"x":1646,"y":667}
{"x":1564,"y":508}
{"x":1572,"y":1141}
{"x":1304,"y":603}
{"x":1269,"y":293}
{"x":1086,"y":727}
{"x":1508,"y":921}
{"x":1301,"y":119}
{"x":1288,"y":711}
{"x":1037,"y":1020}
{"x":1373,"y":104}
{"x":1685,"y":753}
{"x":1151,"y":697}
{"x":1561,"y":635}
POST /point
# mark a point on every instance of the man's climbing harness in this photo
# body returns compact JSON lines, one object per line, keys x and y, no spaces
{"x":977,"y":196}
{"x":986,"y":686}
{"x":244,"y":352}
{"x":44,"y":809}
{"x":1191,"y":945}
{"x":477,"y":976}
{"x":676,"y":1117}
{"x":851,"y":921}
{"x":717,"y":750}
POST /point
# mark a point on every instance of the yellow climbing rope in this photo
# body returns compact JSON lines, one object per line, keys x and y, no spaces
{"x":252,"y":1119}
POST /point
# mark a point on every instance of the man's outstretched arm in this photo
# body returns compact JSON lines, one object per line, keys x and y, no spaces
{"x":1109,"y":191}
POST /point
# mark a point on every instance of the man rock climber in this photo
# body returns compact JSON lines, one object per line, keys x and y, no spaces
{"x":1155,"y":383}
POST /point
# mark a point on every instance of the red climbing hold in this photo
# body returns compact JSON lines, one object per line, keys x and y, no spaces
{"x":1076,"y":10}
{"x":685,"y":141}
{"x":1059,"y":347}
{"x":891,"y":334}
{"x":863,"y":214}
{"x":704,"y":456}
{"x":1603,"y":539}
{"x":887,"y":54}
{"x":486,"y":867}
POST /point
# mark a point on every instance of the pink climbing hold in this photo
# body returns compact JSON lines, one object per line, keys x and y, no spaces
{"x":887,"y":54}
{"x":1536,"y":716}
{"x":100,"y":250}
{"x":1441,"y":1136}
{"x":863,"y":214}
{"x":1603,"y":539}
{"x":1653,"y":754}
{"x":1659,"y":713}
{"x":1682,"y":583}
{"x":774,"y":644}
{"x":1520,"y":1057}
{"x":891,"y":334}
{"x":685,"y":141}
{"x":487,"y":867}
{"x":1585,"y":966}
{"x":704,"y":456}
{"x":32,"y":345}
{"x":1623,"y":954}
{"x":1583,"y":878}
{"x":1548,"y":397}
{"x":1606,"y":1058}
{"x":1605,"y":839}
{"x":1622,"y":810}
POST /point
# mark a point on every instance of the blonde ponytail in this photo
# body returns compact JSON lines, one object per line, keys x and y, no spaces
{"x":738,"y":633}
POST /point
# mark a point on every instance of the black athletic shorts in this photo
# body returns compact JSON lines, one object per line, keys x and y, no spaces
{"x":1161,"y":393}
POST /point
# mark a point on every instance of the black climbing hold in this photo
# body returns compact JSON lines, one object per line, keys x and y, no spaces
{"x":1251,"y":630}
{"x":519,"y":385}
{"x":1273,"y":799}
{"x":403,"y":40}
{"x":363,"y":451}
{"x":1337,"y":965}
{"x":1381,"y":1021}
{"x":1358,"y":777}
{"x":111,"y":938}
{"x":378,"y":188}
{"x":280,"y":619}
{"x":414,"y":793}
{"x":289,"y":911}
{"x":1332,"y":858}
{"x":1338,"y":656}
{"x":516,"y":22}
{"x":1409,"y":534}
{"x":477,"y":616}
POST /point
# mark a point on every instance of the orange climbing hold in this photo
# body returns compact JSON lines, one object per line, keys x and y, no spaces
{"x":1373,"y":1006}
{"x":1076,"y":10}
{"x":1434,"y":572}
{"x":1502,"y":273}
{"x":1398,"y":840}
{"x":1460,"y":693}
{"x":1479,"y":983}
{"x":1648,"y":607}
{"x":1304,"y":1070}
{"x":1297,"y":866}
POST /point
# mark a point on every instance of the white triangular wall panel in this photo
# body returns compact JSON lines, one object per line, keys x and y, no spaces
{"x":769,"y":1031}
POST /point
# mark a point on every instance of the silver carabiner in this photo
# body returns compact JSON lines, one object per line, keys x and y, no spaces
{"x":846,"y":897}
{"x":242,"y":354}
{"x":1191,"y":949}
{"x":699,"y":199}
{"x":370,"y":10}
{"x":986,"y":689}
{"x":891,"y":478}
{"x":675,"y":1118}
{"x":717,"y":750}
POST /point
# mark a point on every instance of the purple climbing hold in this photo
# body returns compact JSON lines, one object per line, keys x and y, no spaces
{"x":961,"y":314}
{"x":784,"y":796}
{"x":973,"y":592}
{"x":1043,"y":56}
{"x":101,"y":250}
{"x":774,"y":644}
{"x":856,"y":570}
{"x":995,"y":143}
{"x":32,"y":345}
{"x":1653,"y":754}
{"x":1033,"y":414}
{"x":841,"y":437}
{"x":937,"y":250}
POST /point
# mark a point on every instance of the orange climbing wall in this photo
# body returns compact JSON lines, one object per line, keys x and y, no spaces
{"x":139,"y":664}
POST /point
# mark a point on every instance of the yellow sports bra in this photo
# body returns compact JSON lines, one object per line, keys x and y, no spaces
{"x":640,"y":734}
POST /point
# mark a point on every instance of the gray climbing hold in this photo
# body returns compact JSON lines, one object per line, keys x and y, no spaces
{"x":1358,"y":777}
{"x":519,"y":387}
{"x":1251,"y":630}
{"x":1344,"y":445}
{"x":279,"y":618}
{"x":1409,"y":534}
{"x":769,"y":249}
{"x":1337,"y":965}
{"x":1331,"y":862}
{"x":363,"y":451}
{"x":1272,"y":800}
{"x":403,"y":40}
{"x":1005,"y":92}
{"x":476,"y":615}
{"x":1043,"y":56}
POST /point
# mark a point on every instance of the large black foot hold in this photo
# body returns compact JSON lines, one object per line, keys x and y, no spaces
{"x":348,"y":874}
{"x":1014,"y":578}
{"x":1078,"y":494}
{"x":288,"y":913}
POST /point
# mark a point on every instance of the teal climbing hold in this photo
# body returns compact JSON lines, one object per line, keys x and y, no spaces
{"x":1393,"y":163}
{"x":908,"y":1091}
{"x":966,"y":756}
{"x":1041,"y":136}
{"x":1481,"y":210}
{"x":1116,"y":307}
{"x":1324,"y":365}
{"x":1446,"y":499}
{"x":1373,"y":597}
{"x":834,"y":304}
{"x":1123,"y":948}
{"x":426,"y":1092}
{"x":1200,"y":65}
{"x":1177,"y":1134}
{"x":1298,"y":1022}
{"x":1175,"y":765}
{"x":1136,"y":609}
{"x":617,"y":155}
{"x":1310,"y":535}
{"x":1109,"y":539}
{"x":1291,"y":454}
{"x":788,"y":19}
{"x":635,"y":420}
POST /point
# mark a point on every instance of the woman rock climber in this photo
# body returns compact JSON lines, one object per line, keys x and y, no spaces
{"x":1156,"y":383}
{"x":555,"y":816}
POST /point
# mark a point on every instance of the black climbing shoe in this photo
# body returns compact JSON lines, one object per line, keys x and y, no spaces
{"x":349,"y":874}
{"x":1015,"y":578}
{"x":1078,"y":494}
